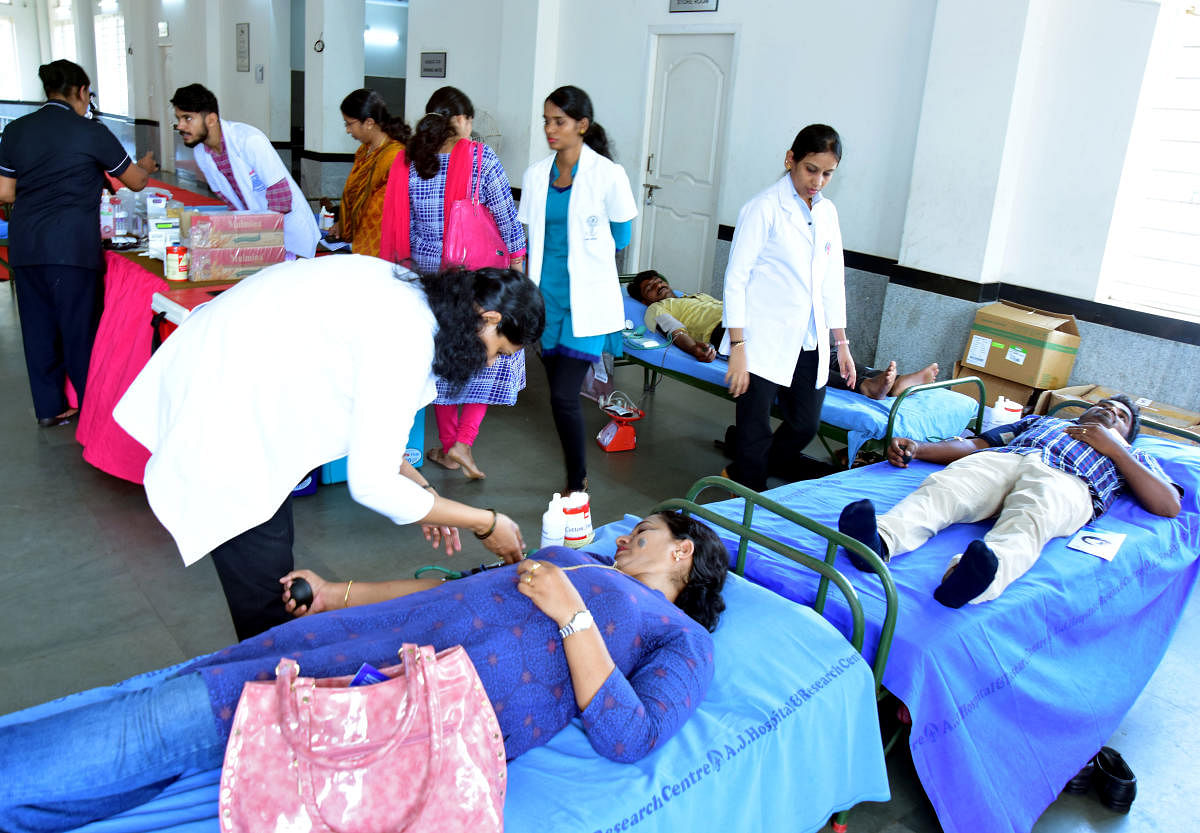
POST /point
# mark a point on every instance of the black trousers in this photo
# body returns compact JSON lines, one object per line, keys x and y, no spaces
{"x":60,"y":309}
{"x":250,"y":566}
{"x":565,"y":375}
{"x":757,"y":450}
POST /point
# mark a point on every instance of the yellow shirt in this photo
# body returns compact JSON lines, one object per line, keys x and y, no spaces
{"x":699,"y":314}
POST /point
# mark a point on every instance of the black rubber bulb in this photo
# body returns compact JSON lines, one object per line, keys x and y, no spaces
{"x":301,"y":592}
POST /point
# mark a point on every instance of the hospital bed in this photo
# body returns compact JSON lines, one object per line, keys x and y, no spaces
{"x":846,"y":417}
{"x":787,"y":735}
{"x":1007,"y":699}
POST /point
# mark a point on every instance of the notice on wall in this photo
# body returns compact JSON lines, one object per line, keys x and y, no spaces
{"x":433,"y":64}
{"x":692,"y":6}
{"x":978,"y":354}
{"x":243,"y":47}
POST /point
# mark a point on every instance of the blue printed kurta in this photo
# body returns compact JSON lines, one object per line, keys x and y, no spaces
{"x":664,"y":659}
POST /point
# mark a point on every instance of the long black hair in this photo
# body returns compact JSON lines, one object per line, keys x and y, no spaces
{"x":434,"y":128}
{"x":365,"y":104}
{"x":458,"y":299}
{"x":817,"y":138}
{"x":701,"y":598}
{"x":61,"y":76}
{"x":576,"y":104}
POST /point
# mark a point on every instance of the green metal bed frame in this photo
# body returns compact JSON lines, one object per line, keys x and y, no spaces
{"x":822,"y":565}
{"x":651,"y":375}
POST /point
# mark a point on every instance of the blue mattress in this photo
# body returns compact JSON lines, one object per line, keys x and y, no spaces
{"x":926,"y":415}
{"x":1009,"y":698}
{"x":759,"y":754}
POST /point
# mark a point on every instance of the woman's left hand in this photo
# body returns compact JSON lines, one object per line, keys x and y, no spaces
{"x":547,"y":587}
{"x":846,"y":365}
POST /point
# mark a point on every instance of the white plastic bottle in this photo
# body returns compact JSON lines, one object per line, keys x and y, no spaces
{"x":578,"y":511}
{"x":554,"y":523}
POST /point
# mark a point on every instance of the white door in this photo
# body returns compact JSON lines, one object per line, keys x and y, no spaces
{"x":683,"y":160}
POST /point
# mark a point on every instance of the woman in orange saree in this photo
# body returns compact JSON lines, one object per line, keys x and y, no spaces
{"x":382,"y":136}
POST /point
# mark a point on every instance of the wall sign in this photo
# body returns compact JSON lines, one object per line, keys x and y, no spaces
{"x":692,"y":6}
{"x":243,"y":47}
{"x":433,"y":64}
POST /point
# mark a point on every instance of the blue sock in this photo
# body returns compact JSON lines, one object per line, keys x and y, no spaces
{"x":975,"y":571}
{"x":858,"y":522}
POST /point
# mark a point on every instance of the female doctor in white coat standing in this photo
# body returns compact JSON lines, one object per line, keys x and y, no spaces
{"x":579,"y":207}
{"x":784,"y":295}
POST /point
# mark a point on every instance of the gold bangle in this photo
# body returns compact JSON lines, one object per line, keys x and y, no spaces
{"x":491,"y":528}
{"x":428,"y":486}
{"x":346,"y":598}
{"x":734,"y":343}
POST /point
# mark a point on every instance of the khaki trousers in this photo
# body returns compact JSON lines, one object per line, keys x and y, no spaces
{"x":1035,"y":503}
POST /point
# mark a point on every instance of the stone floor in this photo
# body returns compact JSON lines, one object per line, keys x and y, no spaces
{"x":94,"y":590}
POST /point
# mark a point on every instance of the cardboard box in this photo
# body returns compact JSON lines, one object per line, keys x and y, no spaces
{"x":1150,"y":409}
{"x":1022,"y":344}
{"x":235,"y":229}
{"x":996,"y":387}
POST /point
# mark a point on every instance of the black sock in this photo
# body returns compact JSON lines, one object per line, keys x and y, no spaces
{"x":975,"y":571}
{"x":858,"y":521}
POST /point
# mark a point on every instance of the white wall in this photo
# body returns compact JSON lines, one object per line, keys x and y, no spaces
{"x":796,"y":63}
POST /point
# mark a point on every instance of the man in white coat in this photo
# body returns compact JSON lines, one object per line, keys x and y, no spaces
{"x":242,"y":167}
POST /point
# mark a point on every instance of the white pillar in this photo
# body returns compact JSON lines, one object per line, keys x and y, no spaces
{"x":331,"y":74}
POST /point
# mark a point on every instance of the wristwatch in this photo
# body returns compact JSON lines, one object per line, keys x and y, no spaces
{"x":581,"y":621}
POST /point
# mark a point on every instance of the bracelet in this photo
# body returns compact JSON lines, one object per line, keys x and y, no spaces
{"x":428,"y":486}
{"x":491,"y":528}
{"x":346,"y":598}
{"x":733,"y":343}
{"x":841,"y":341}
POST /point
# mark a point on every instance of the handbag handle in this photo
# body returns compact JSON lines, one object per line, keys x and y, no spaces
{"x":477,"y":150}
{"x":416,"y":674}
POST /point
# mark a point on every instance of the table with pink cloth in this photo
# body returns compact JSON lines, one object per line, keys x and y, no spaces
{"x":121,"y":350}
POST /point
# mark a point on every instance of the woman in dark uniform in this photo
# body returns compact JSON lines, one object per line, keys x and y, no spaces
{"x":52,"y":166}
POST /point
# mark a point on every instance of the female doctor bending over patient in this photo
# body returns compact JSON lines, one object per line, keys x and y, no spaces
{"x":622,"y":643}
{"x":784,"y":293}
{"x":579,"y":207}
{"x":301,"y":364}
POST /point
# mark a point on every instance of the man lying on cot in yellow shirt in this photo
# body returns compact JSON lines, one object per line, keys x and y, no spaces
{"x":693,"y":324}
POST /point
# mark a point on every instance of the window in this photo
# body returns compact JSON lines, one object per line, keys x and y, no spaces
{"x":62,"y":31}
{"x":10,"y":72}
{"x":1152,"y":260}
{"x":112,"y":83}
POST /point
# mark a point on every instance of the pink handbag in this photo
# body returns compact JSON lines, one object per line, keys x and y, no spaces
{"x":471,"y":238}
{"x":420,"y":752}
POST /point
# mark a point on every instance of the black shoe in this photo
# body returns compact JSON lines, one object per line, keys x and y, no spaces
{"x":1082,"y":781}
{"x":1114,"y":781}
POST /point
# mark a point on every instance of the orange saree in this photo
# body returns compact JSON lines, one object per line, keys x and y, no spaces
{"x":362,"y":197}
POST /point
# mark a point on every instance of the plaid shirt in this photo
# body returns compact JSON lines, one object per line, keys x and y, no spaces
{"x":279,"y":195}
{"x":1045,"y":437}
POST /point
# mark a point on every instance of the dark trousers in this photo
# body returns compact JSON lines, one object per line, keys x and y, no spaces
{"x":757,"y":450}
{"x":565,"y":375}
{"x":250,"y":566}
{"x":59,"y":308}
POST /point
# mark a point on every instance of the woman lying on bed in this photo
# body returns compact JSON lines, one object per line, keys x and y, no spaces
{"x":624,"y":643}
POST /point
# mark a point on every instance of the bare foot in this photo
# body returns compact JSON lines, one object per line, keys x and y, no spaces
{"x":460,"y":453}
{"x":922,"y":377}
{"x":438,"y":456}
{"x":877,"y":386}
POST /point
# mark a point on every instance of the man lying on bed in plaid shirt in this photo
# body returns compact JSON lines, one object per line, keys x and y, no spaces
{"x":1043,"y":476}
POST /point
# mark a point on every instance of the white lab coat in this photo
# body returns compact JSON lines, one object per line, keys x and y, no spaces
{"x":256,"y":166}
{"x":600,"y":194}
{"x":301,"y":364}
{"x":780,"y":272}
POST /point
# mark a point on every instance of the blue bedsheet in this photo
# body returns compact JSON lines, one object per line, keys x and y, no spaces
{"x":926,"y":415}
{"x":1010,"y":698}
{"x":787,"y":735}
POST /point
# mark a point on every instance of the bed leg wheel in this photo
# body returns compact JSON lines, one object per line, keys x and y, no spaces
{"x":838,"y":827}
{"x":903,"y":715}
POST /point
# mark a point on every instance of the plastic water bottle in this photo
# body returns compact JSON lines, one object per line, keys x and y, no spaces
{"x":554,"y":523}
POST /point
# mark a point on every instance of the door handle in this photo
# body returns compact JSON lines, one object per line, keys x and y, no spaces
{"x":650,"y":189}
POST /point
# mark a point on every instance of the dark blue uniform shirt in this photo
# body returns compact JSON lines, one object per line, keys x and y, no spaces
{"x":58,"y":159}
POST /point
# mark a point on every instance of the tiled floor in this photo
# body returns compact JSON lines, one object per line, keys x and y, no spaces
{"x":94,"y":591}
